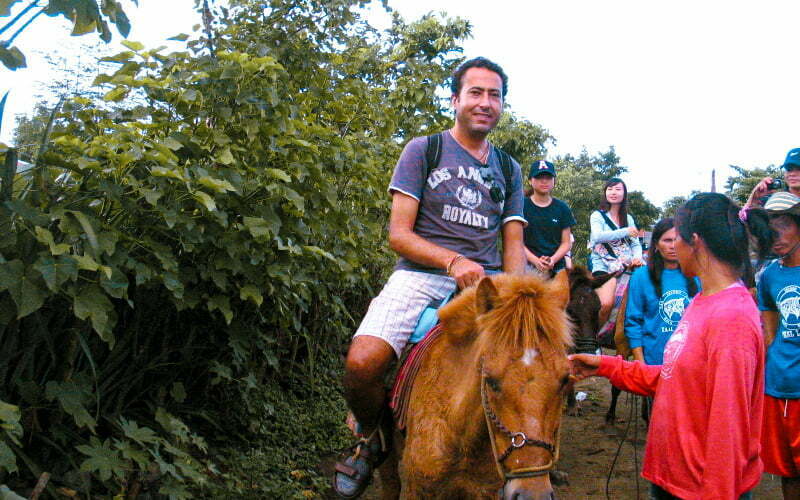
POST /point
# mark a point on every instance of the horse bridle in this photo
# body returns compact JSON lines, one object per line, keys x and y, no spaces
{"x":517,"y":440}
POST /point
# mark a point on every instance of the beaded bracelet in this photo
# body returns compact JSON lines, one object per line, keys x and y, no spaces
{"x":452,"y":262}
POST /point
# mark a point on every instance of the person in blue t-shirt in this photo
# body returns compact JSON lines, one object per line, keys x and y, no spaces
{"x":779,"y":302}
{"x":657,"y":296}
{"x":548,"y":235}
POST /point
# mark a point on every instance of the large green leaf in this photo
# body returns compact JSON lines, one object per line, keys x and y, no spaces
{"x":88,"y":229}
{"x":218,"y":185}
{"x":113,"y":10}
{"x":10,"y":422}
{"x":46,"y":237}
{"x":141,"y":435}
{"x":5,"y":7}
{"x":103,"y":459}
{"x":73,"y":396}
{"x":12,"y":58}
{"x":23,"y":286}
{"x":91,"y":303}
{"x":57,"y":270}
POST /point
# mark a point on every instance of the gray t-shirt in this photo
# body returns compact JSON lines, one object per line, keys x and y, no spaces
{"x":456,"y":210}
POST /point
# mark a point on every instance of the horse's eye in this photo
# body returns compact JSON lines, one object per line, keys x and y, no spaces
{"x":493,"y":383}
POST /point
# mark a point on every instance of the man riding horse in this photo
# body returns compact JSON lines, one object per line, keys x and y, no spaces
{"x":453,"y":194}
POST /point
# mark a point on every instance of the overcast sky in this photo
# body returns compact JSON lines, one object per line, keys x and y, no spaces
{"x":677,"y":87}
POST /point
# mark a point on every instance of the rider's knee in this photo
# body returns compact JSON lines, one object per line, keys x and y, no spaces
{"x":364,"y":366}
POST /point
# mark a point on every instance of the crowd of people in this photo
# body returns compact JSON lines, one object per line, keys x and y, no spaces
{"x":721,"y":362}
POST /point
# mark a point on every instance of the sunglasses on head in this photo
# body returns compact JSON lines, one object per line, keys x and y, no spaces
{"x":495,"y":192}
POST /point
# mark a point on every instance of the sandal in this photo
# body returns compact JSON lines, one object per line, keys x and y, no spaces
{"x":353,"y":472}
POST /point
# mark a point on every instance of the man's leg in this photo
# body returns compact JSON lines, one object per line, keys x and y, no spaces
{"x":367,"y":362}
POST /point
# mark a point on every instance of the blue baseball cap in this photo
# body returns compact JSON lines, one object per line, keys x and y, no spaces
{"x":792,"y":159}
{"x":543,"y":167}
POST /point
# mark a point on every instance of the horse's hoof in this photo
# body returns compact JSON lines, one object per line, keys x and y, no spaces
{"x":559,"y":478}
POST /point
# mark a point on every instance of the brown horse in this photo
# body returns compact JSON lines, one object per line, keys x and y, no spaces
{"x":485,"y":408}
{"x":583,"y":309}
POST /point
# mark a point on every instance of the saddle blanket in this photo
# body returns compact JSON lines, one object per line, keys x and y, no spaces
{"x":404,"y":382}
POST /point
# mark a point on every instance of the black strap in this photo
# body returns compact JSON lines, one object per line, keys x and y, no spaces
{"x":433,"y":155}
{"x":608,"y":220}
{"x":506,"y":166}
{"x":614,"y":227}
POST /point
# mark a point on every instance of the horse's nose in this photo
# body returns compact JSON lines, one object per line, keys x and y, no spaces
{"x":524,"y":494}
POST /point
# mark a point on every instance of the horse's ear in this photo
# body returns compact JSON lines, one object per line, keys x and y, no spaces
{"x":560,"y":288}
{"x":486,"y":296}
{"x":598,"y":281}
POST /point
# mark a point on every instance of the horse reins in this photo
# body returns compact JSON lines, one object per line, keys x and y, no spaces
{"x":517,"y":440}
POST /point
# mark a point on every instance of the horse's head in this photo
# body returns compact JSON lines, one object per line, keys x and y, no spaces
{"x":584,"y":306}
{"x":516,"y":335}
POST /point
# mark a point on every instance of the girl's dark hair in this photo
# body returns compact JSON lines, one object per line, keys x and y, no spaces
{"x":715,"y":219}
{"x":605,"y":206}
{"x":655,"y":261}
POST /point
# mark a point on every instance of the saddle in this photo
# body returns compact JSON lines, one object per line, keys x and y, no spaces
{"x":404,"y":381}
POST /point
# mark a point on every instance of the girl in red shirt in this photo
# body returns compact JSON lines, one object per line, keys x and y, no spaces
{"x":703,"y":438}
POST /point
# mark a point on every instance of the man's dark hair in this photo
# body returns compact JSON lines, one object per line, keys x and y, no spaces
{"x":478,"y":62}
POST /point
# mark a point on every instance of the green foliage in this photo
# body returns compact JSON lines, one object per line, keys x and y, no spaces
{"x":299,"y":427}
{"x":523,"y":140}
{"x":671,"y":206}
{"x":216,"y":236}
{"x":87,"y":16}
{"x":12,"y":433}
{"x":740,"y":185}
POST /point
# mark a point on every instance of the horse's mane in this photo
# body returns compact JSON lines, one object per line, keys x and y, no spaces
{"x":525,"y":315}
{"x":579,"y":277}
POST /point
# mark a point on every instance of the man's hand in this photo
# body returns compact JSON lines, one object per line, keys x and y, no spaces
{"x":547,"y":262}
{"x":636,"y":262}
{"x":633,"y":232}
{"x":466,"y":272}
{"x":761,"y":190}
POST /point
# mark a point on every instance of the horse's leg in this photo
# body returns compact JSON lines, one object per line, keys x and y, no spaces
{"x":573,"y":409}
{"x":611,"y":416}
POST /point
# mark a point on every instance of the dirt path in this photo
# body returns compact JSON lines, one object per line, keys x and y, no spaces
{"x":588,"y":448}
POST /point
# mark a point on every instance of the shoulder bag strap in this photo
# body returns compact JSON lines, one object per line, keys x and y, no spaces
{"x":506,"y":166}
{"x":433,"y":153}
{"x":610,"y":222}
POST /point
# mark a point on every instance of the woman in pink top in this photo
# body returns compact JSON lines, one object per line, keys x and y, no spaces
{"x":703,"y":438}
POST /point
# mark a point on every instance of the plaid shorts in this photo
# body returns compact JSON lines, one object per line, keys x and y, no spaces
{"x":394,"y":313}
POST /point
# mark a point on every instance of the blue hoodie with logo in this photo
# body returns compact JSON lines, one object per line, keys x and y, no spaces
{"x":649,"y":319}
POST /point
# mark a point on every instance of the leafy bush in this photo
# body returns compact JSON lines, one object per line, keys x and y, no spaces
{"x":162,"y":258}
